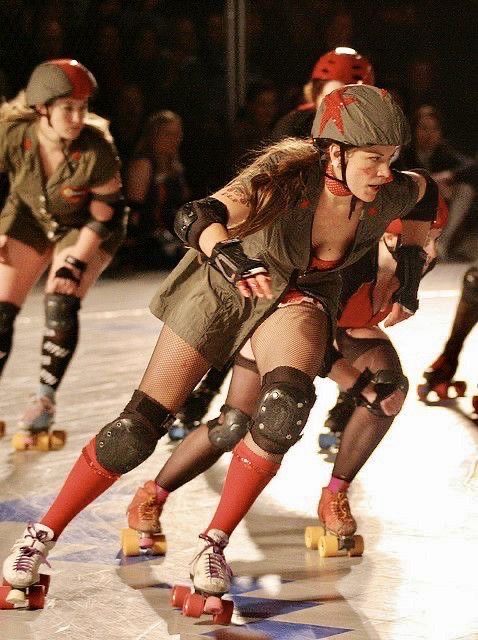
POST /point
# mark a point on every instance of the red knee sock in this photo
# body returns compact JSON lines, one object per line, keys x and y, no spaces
{"x":85,"y":482}
{"x":247,"y":476}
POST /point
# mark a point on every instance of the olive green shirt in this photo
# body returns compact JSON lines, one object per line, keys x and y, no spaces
{"x":212,"y":316}
{"x":39,"y":211}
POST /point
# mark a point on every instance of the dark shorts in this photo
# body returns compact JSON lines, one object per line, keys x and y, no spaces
{"x":23,"y":227}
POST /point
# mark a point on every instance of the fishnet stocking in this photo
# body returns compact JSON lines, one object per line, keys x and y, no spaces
{"x":364,"y":431}
{"x":174,"y":370}
{"x":195,"y":454}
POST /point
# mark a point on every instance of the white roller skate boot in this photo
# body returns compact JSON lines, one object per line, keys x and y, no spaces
{"x":39,"y":414}
{"x":210,"y":572}
{"x":21,"y":567}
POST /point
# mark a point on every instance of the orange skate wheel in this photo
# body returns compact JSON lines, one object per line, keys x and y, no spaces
{"x":178,"y":595}
{"x":226,"y":614}
{"x":159,"y":544}
{"x":442,"y":390}
{"x":42,"y":441}
{"x":312,"y":535}
{"x":2,"y":428}
{"x":193,"y":605}
{"x":36,"y":597}
{"x":57,"y":440}
{"x":328,"y":546}
{"x":19,"y":441}
{"x":130,"y":542}
{"x":358,"y":547}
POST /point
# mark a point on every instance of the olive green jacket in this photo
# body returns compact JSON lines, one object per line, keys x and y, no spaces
{"x":211,"y":315}
{"x":49,"y":208}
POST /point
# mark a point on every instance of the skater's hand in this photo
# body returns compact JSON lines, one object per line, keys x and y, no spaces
{"x":397,"y":314}
{"x":3,"y":250}
{"x":258,"y":286}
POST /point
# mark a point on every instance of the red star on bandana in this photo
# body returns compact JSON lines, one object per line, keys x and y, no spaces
{"x":334,"y":102}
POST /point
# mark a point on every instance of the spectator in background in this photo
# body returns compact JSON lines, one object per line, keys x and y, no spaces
{"x":253,"y":126}
{"x":127,"y":120}
{"x":430,"y":150}
{"x":155,"y":189}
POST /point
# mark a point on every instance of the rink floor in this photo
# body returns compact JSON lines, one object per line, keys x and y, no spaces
{"x":415,"y":502}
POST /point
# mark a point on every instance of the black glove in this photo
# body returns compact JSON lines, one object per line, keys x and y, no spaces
{"x":410,"y":261}
{"x":73,"y":272}
{"x":229,"y":259}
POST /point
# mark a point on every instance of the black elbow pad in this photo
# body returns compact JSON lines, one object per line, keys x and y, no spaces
{"x":426,"y":209}
{"x":193,"y":217}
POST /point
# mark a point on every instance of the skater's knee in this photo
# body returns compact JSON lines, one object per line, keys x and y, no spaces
{"x":229,"y":428}
{"x":386,"y":382}
{"x":287,"y":396}
{"x":127,"y":441}
{"x":470,"y":286}
{"x":61,"y":311}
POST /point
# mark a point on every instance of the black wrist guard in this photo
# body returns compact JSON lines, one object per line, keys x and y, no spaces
{"x":229,"y":259}
{"x":385,"y":382}
{"x":193,"y":217}
{"x":68,"y":273}
{"x":410,"y":261}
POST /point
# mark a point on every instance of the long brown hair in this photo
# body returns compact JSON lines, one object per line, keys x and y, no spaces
{"x":274,"y":182}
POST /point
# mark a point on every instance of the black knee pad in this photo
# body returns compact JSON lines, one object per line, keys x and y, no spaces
{"x":385,"y":382}
{"x":286,"y":399}
{"x":470,"y":286}
{"x":61,"y":311}
{"x":8,"y":313}
{"x":235,"y":425}
{"x":127,"y":441}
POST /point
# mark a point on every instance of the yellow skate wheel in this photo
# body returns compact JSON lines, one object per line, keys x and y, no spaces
{"x":57,"y":440}
{"x":130,"y":542}
{"x":328,"y":546}
{"x":42,"y":441}
{"x":19,"y":441}
{"x":159,"y":545}
{"x":358,"y":547}
{"x":312,"y":535}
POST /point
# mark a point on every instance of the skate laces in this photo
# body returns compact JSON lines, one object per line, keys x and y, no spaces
{"x":26,"y":559}
{"x":214,"y":561}
{"x":148,"y":509}
{"x":343,"y":506}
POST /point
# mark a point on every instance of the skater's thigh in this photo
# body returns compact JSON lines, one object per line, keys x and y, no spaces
{"x":173,"y":371}
{"x":21,"y":268}
{"x":293,"y":336}
{"x":244,"y":389}
{"x":369,"y":348}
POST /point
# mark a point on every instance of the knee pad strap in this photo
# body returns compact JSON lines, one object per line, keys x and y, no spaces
{"x":127,"y":441}
{"x":287,"y":397}
{"x":234,"y":426}
{"x":385,"y":382}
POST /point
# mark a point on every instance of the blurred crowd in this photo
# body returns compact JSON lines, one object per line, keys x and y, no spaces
{"x":162,"y":75}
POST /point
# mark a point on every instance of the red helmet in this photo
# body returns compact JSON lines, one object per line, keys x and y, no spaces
{"x":344,"y":64}
{"x":59,"y":79}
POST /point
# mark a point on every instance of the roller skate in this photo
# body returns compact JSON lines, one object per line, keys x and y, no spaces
{"x":439,"y":383}
{"x":35,"y":425}
{"x":336,"y":534}
{"x":190,"y":416}
{"x":211,"y":578}
{"x":24,"y":587}
{"x":144,"y":535}
{"x":336,"y":422}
